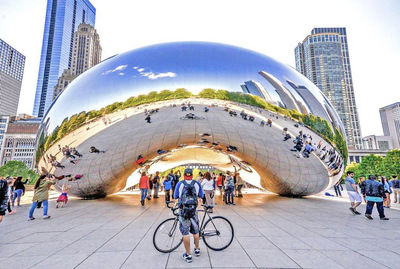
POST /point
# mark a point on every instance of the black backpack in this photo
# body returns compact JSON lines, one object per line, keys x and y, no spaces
{"x":188,"y":200}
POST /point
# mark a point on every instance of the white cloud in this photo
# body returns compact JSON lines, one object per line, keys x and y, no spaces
{"x":121,"y":73}
{"x":118,"y":68}
{"x":152,"y":75}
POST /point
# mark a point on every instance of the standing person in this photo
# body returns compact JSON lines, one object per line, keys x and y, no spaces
{"x":19,"y":190}
{"x":156,"y":184}
{"x":220,"y":183}
{"x":200,"y":177}
{"x":4,"y":197}
{"x":388,"y":191}
{"x":144,"y":185}
{"x":360,"y":182}
{"x":351,"y":188}
{"x":175,"y":180}
{"x":63,"y":198}
{"x":208,"y":186}
{"x":150,"y":187}
{"x":187,"y":191}
{"x":373,"y":192}
{"x":41,"y":194}
{"x":168,"y":186}
{"x":396,"y":189}
{"x":338,"y":187}
{"x":239,"y":185}
{"x":229,"y":188}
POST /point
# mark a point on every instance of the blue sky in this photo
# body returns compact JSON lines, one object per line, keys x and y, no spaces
{"x":270,"y":27}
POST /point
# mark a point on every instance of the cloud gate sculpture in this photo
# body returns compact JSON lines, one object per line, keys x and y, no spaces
{"x":165,"y":105}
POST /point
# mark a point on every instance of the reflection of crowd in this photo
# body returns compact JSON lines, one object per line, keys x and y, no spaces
{"x":229,"y":186}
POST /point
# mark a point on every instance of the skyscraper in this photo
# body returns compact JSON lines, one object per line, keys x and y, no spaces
{"x":86,"y":49}
{"x":12,"y":64}
{"x":390,"y":118}
{"x":323,"y":57}
{"x":86,"y":53}
{"x":62,"y":20}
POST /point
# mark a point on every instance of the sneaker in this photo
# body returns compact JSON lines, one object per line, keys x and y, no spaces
{"x":197,"y":252}
{"x":384,"y":218}
{"x":356,"y":212}
{"x":46,"y":217}
{"x":187,"y":258}
{"x":233,"y":204}
{"x":31,"y":218}
{"x":352,"y":210}
{"x":368,"y":216}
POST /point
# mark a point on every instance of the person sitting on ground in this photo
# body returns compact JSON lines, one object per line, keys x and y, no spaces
{"x":269,"y":122}
{"x":206,"y":109}
{"x":148,"y":119}
{"x":188,"y":191}
{"x":262,"y":123}
{"x":75,"y":152}
{"x":93,"y":149}
{"x":57,"y":164}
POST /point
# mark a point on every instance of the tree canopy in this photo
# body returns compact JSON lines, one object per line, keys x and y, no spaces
{"x":376,"y":165}
{"x":18,"y":169}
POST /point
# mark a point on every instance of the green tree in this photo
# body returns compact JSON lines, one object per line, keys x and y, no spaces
{"x":391,"y":163}
{"x":208,"y":93}
{"x":18,"y":169}
{"x":371,"y":164}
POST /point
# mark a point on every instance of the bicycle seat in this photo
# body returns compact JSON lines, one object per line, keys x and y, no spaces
{"x":208,"y":206}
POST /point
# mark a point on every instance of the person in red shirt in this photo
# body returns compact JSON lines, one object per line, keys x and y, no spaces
{"x":219,"y":182}
{"x":143,"y":186}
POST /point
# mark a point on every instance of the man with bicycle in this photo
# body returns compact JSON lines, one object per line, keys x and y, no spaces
{"x":187,"y":191}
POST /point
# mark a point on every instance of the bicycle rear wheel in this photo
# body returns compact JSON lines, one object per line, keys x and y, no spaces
{"x":218,"y":233}
{"x":166,"y":237}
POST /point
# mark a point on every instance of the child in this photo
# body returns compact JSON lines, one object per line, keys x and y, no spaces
{"x":63,"y":198}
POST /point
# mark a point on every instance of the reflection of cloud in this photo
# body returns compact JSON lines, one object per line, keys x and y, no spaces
{"x":152,"y":75}
{"x":118,"y":68}
{"x":121,"y":74}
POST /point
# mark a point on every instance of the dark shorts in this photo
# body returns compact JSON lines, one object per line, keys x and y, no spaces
{"x":189,"y":225}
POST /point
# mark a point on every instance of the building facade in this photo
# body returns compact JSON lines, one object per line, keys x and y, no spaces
{"x":323,"y":57}
{"x":390,"y":119}
{"x":12,"y":64}
{"x":86,"y":53}
{"x":62,"y":20}
{"x":19,"y":142}
{"x":380,"y":142}
{"x":255,"y":88}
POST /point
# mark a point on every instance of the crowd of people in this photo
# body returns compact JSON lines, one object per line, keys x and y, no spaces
{"x":373,"y":190}
{"x":13,"y":188}
{"x":229,"y":185}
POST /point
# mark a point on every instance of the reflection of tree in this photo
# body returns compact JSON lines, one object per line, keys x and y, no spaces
{"x":72,"y":123}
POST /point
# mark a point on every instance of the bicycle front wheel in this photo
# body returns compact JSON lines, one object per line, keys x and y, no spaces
{"x":166,"y":237}
{"x":218,"y":233}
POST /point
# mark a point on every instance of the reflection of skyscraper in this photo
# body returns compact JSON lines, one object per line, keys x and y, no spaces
{"x":62,"y":20}
{"x":286,"y":96}
{"x":323,"y":57}
{"x":312,"y":102}
{"x":255,"y":88}
{"x":12,"y":65}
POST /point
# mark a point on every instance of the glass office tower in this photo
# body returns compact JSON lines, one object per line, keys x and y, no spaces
{"x":323,"y":57}
{"x":62,"y":20}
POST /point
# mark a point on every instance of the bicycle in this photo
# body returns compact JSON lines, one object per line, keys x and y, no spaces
{"x":217,"y":231}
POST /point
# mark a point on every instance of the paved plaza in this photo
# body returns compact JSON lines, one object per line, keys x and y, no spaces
{"x":270,"y":232}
